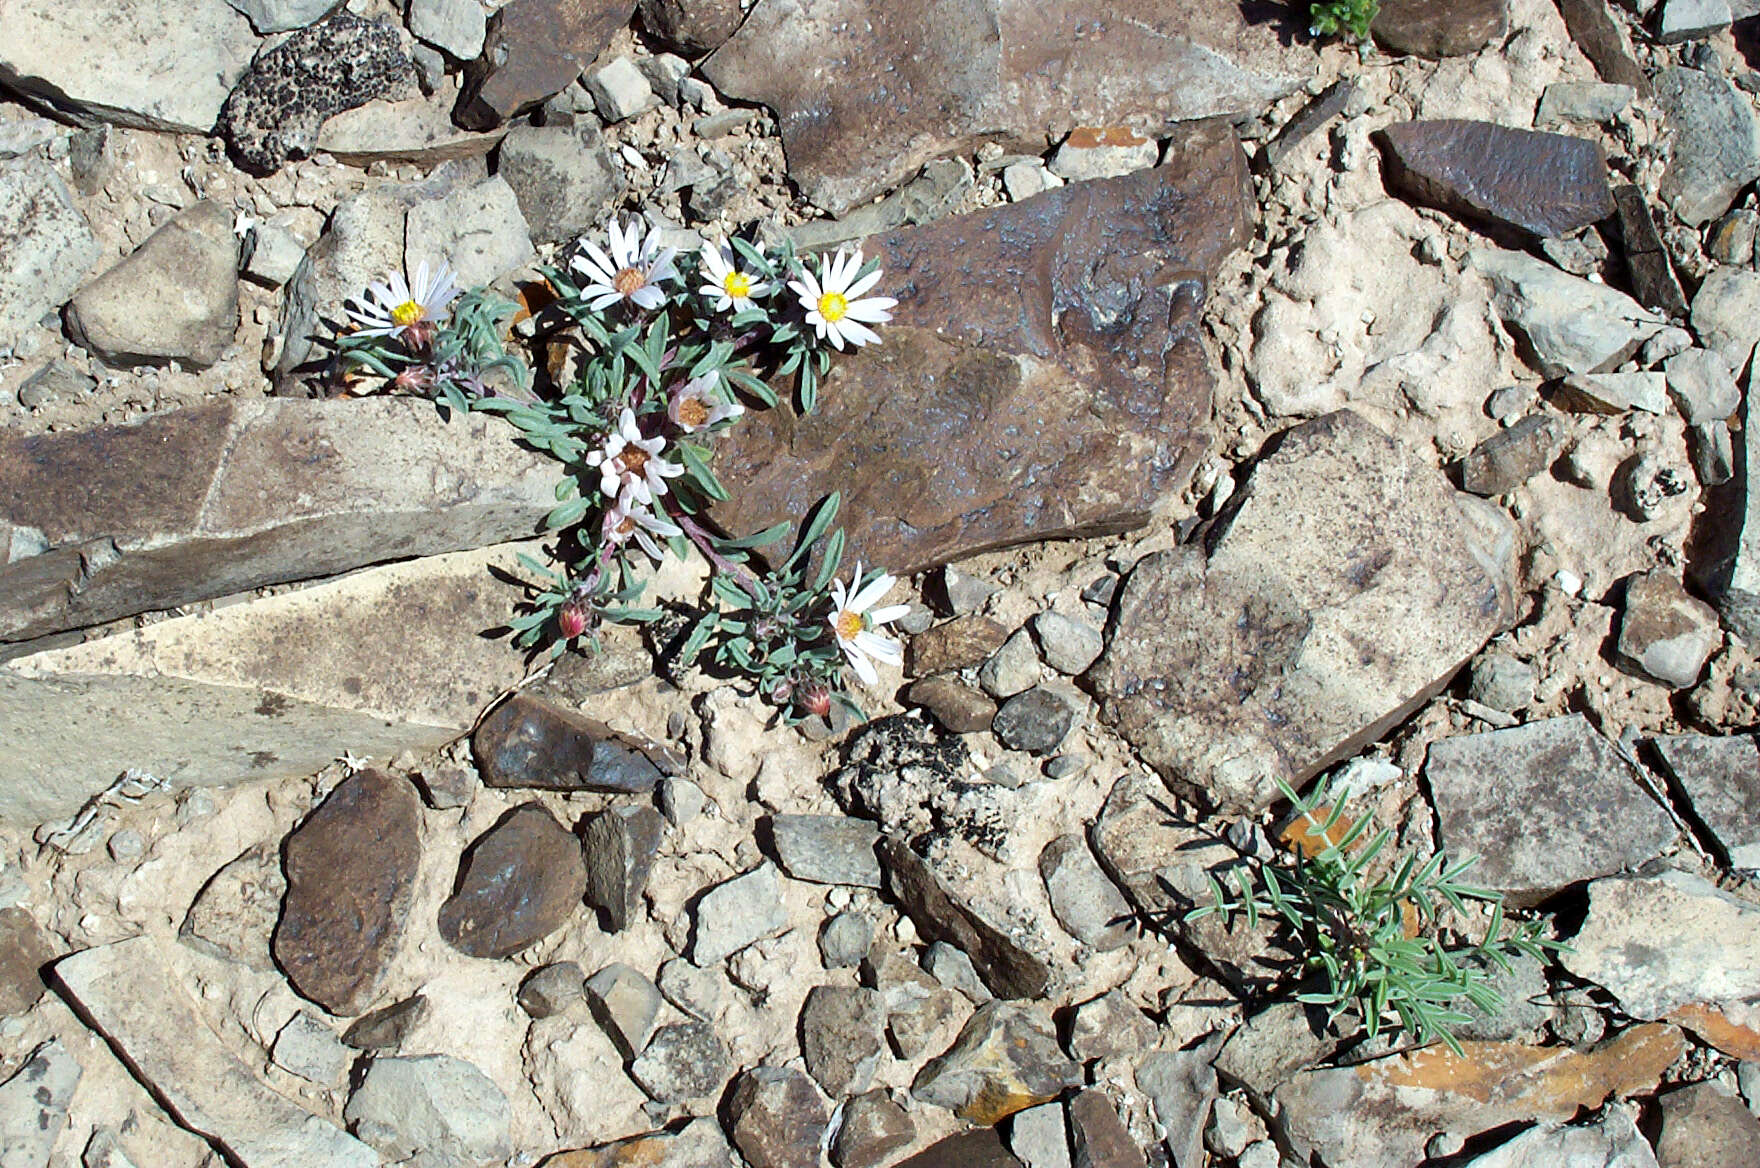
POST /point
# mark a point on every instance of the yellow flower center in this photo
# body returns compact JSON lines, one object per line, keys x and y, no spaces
{"x":849,"y":623}
{"x":624,"y":528}
{"x":692,"y":412}
{"x":833,"y":306}
{"x":407,"y":313}
{"x":737,"y":285}
{"x":629,"y":281}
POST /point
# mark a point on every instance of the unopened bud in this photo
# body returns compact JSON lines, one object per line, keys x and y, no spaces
{"x":816,"y":699}
{"x":571,"y":618}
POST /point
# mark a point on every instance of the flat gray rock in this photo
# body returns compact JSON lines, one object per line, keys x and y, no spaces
{"x":1720,"y":778}
{"x":270,"y":16}
{"x":563,"y":176}
{"x":1568,"y":324}
{"x":1611,"y":1142}
{"x":827,"y":849}
{"x":1543,"y":806}
{"x":735,"y":913}
{"x":33,"y":1105}
{"x":49,"y":245}
{"x":431,"y":1111}
{"x":1716,"y":143}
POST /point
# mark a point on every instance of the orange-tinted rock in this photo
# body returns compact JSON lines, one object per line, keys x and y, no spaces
{"x":535,"y":48}
{"x":1043,"y":375}
{"x":1733,"y":1028}
{"x":1005,"y":1060}
{"x":1543,"y":184}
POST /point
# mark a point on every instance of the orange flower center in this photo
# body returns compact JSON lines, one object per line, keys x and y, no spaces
{"x":833,"y":306}
{"x":848,"y":625}
{"x":407,"y":313}
{"x":628,"y":525}
{"x":629,"y":281}
{"x":633,"y":460}
{"x":692,"y":412}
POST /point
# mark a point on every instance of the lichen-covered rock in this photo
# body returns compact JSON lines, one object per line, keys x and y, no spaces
{"x":48,"y":244}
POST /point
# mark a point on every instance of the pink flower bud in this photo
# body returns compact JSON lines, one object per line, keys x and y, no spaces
{"x":571,"y":618}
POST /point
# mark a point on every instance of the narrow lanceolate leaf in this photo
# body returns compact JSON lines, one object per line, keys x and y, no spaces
{"x":700,"y":472}
{"x":566,"y":515}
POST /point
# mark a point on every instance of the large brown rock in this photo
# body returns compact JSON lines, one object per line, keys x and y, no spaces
{"x":518,"y":883}
{"x":529,"y":742}
{"x":867,"y":91}
{"x":1543,"y":184}
{"x":1426,"y":29}
{"x":231,"y":496}
{"x":1342,"y":588}
{"x":535,"y":48}
{"x":1043,"y":375}
{"x":351,"y":869}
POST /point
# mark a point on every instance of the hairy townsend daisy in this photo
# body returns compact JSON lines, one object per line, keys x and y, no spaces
{"x":630,"y":466}
{"x":853,"y":621}
{"x":632,"y":272}
{"x":833,"y":300}
{"x":409,"y":309}
{"x":732,"y":289}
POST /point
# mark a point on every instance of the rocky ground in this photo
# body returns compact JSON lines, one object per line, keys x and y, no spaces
{"x":1255,"y":409}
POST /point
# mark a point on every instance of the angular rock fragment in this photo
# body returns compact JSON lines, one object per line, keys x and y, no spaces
{"x":827,"y":849}
{"x":129,"y":992}
{"x":1005,"y":1059}
{"x":457,"y":26}
{"x":308,"y":1048}
{"x":1511,"y":457}
{"x":1568,"y":325}
{"x":351,"y":868}
{"x":1706,"y":1126}
{"x":735,"y":913}
{"x":1307,"y":631}
{"x":922,"y":1016}
{"x":234,"y":914}
{"x":385,"y":1028}
{"x":625,"y":1004}
{"x":271,"y":16}
{"x":887,"y":87}
{"x":1427,"y":30}
{"x":1547,"y":185}
{"x":410,"y":129}
{"x":432,"y":1110}
{"x":1543,"y":805}
{"x":175,"y":298}
{"x":698,"y":1144}
{"x":1603,"y":40}
{"x":535,"y":48}
{"x":555,"y":988}
{"x":1716,"y":143}
{"x":1386,"y":1110}
{"x":48,"y":244}
{"x":682,"y":1061}
{"x":873,"y":1128}
{"x":1700,"y":383}
{"x":1098,"y":1136}
{"x":1182,"y":1086}
{"x":1717,"y":778}
{"x":974,"y":1149}
{"x":1051,"y":318}
{"x":778,"y":1118}
{"x":1665,"y":633}
{"x":1647,"y":260}
{"x":33,"y":1105}
{"x":1084,"y":901}
{"x":564,"y":177}
{"x":1068,"y":645}
{"x":275,"y":112}
{"x":620,"y":845}
{"x":1590,"y":102}
{"x":840,"y":1037}
{"x":518,"y":883}
{"x":1006,"y":965}
{"x":1691,"y":20}
{"x":1612,"y":1142}
{"x":25,"y":952}
{"x":960,"y":708}
{"x":1102,"y":152}
{"x":954,"y":644}
{"x":529,"y":742}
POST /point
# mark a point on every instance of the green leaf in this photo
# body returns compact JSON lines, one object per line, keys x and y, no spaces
{"x":692,"y":455}
{"x":768,"y":536}
{"x":567,"y":515}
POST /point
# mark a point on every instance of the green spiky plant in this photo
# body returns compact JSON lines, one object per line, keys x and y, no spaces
{"x":1347,"y":18}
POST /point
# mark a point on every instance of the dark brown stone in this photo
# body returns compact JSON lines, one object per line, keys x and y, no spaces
{"x":1008,"y":969}
{"x":778,"y":1118}
{"x":974,"y":1149}
{"x":691,"y":27}
{"x":1099,"y":1136}
{"x":1427,"y":29}
{"x":386,"y":1028}
{"x":1544,"y":184}
{"x":960,"y":708}
{"x":529,"y":742}
{"x":1601,"y":36}
{"x":1043,"y":375}
{"x":351,"y":869}
{"x":535,"y":48}
{"x":873,"y":1128}
{"x":954,"y":644}
{"x":619,"y":846}
{"x":1706,"y":1126}
{"x":867,"y":91}
{"x":24,"y":951}
{"x":518,"y":883}
{"x":1511,"y":457}
{"x":1647,"y":264}
{"x":1331,"y":102}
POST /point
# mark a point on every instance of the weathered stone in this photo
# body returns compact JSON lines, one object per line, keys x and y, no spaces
{"x":1665,"y":633}
{"x":556,"y":988}
{"x":233,"y":916}
{"x":954,"y":644}
{"x":48,"y":244}
{"x":1716,"y":143}
{"x":175,"y":298}
{"x":145,"y":63}
{"x":625,"y":1004}
{"x":958,"y":707}
{"x":1099,"y":1136}
{"x":1613,"y":393}
{"x":1012,"y":669}
{"x":1292,"y":616}
{"x":456,"y":26}
{"x":478,"y":228}
{"x":1716,"y":778}
{"x":827,"y":849}
{"x":620,"y":845}
{"x":1084,"y":901}
{"x":1543,"y":805}
{"x":1039,"y":1136}
{"x":1723,"y":314}
{"x":1005,"y":1059}
{"x":1036,"y":721}
{"x":1108,"y":1026}
{"x":564,"y":178}
{"x":408,"y":129}
{"x":737,"y":912}
{"x":1425,"y":30}
{"x":1511,"y":457}
{"x":619,"y":90}
{"x":682,"y":1061}
{"x":691,"y":27}
{"x":1016,"y":322}
{"x":1702,"y":387}
{"x":922,"y":1016}
{"x":1092,"y":152}
{"x":1657,"y":943}
{"x":1067,"y":644}
{"x":873,"y":1128}
{"x":1612,"y":1142}
{"x":974,"y":1149}
{"x":308,"y":1048}
{"x":953,"y":969}
{"x":1568,"y":325}
{"x":840,"y":1037}
{"x":536,"y":48}
{"x":1544,"y":184}
{"x":386,"y":1028}
{"x":1527,"y":1005}
{"x":1386,"y":1110}
{"x":1272,"y":1045}
{"x":518,"y":883}
{"x":351,"y":868}
{"x":915,"y":82}
{"x":1300,"y":130}
{"x":431,"y":1111}
{"x":33,"y":1105}
{"x":1648,"y":263}
{"x":25,"y":950}
{"x":130,"y":993}
{"x":845,"y":939}
{"x":1005,"y":964}
{"x":271,"y":16}
{"x":275,"y":111}
{"x":777,"y":1118}
{"x":1182,"y":1086}
{"x":698,"y":1144}
{"x":529,"y":742}
{"x":1706,"y":1126}
{"x":1585,"y":102}
{"x":1691,"y":20}
{"x":1602,"y":38}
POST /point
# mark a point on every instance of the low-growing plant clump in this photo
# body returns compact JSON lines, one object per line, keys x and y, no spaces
{"x":1347,"y":18}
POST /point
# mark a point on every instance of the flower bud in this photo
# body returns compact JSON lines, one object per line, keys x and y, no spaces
{"x":571,"y":618}
{"x":816,"y":699}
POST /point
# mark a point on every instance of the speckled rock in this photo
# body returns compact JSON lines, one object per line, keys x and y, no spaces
{"x":1424,"y":29}
{"x":49,"y":245}
{"x":778,"y":1118}
{"x":1717,"y":777}
{"x":276,"y":110}
{"x":519,"y":882}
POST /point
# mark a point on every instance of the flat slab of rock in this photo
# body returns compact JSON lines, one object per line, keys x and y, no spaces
{"x":49,"y":245}
{"x":433,"y":1110}
{"x":518,"y":883}
{"x":1543,"y":184}
{"x":25,"y":950}
{"x":535,"y":48}
{"x":1706,"y":1126}
{"x":1429,"y":30}
{"x":1567,"y":325}
{"x":737,"y":912}
{"x":33,"y":1105}
{"x":1005,"y":1060}
{"x":1005,"y":962}
{"x":827,"y":849}
{"x":1720,"y":778}
{"x":528,"y":742}
{"x":152,"y":64}
{"x":1343,"y":587}
{"x":1042,"y":376}
{"x":1385,"y":1111}
{"x":232,"y":496}
{"x":351,"y":869}
{"x":1661,"y":942}
{"x":1716,"y":143}
{"x":1543,"y":806}
{"x":867,"y":91}
{"x":131,"y":993}
{"x":377,"y":662}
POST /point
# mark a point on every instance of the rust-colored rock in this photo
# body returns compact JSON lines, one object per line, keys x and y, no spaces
{"x":1424,"y":28}
{"x":1732,"y":1027}
{"x":1386,"y":1110}
{"x":867,"y":91}
{"x":24,"y":950}
{"x":1043,"y":375}
{"x":954,"y":644}
{"x":535,"y":48}
{"x":519,"y":882}
{"x":351,"y":869}
{"x":1543,"y":184}
{"x":1100,"y":1137}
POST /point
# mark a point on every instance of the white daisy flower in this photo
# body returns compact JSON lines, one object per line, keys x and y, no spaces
{"x":697,"y":406}
{"x":630,"y":520}
{"x":833,"y":300}
{"x":854,"y":625}
{"x":402,"y":308}
{"x":631,"y":272}
{"x":630,"y":466}
{"x":732,"y":289}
